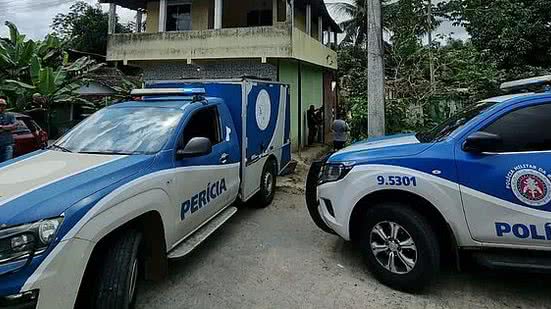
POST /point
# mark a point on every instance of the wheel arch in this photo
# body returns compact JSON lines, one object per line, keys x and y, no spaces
{"x":436,"y":219}
{"x":272,"y":157}
{"x":153,"y":249}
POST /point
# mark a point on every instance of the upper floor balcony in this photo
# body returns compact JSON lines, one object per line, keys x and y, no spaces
{"x":190,"y":30}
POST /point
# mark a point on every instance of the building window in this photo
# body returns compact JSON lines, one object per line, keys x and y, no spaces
{"x":259,"y":18}
{"x":178,"y":16}
{"x":281,"y":10}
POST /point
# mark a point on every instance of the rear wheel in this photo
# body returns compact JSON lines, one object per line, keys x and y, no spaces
{"x":267,"y":185}
{"x":118,"y":272}
{"x":400,"y":247}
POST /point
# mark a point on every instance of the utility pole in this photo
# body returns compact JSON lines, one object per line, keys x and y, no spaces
{"x":429,"y":32}
{"x":375,"y":70}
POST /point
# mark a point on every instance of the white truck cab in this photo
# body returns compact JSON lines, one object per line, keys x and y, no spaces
{"x":480,"y":183}
{"x":133,"y":185}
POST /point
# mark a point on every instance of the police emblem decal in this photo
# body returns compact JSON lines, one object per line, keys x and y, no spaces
{"x":530,"y":185}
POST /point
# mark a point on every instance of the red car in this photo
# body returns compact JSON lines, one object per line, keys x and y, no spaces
{"x":28,"y":135}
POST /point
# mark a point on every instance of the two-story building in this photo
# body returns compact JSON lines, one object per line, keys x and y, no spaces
{"x":290,"y":41}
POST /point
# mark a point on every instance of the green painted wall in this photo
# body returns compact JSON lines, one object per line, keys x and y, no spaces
{"x":288,"y":73}
{"x":312,"y":94}
{"x":311,"y":85}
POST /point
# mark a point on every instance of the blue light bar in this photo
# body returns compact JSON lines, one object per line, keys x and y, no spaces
{"x":168,"y":92}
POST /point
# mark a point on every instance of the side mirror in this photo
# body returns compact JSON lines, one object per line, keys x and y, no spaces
{"x":480,"y":142}
{"x":197,"y":146}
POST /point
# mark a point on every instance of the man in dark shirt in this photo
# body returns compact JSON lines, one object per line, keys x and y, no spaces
{"x":312,"y":122}
{"x":7,"y":125}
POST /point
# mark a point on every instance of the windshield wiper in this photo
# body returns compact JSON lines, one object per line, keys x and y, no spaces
{"x":59,"y":148}
{"x":106,"y":153}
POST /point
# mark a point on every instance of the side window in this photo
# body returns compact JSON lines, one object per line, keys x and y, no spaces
{"x":204,"y":123}
{"x":31,"y":125}
{"x":525,"y":129}
{"x":178,"y":16}
{"x":21,"y":127}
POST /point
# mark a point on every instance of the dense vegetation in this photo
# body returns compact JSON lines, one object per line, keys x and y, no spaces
{"x":39,"y":75}
{"x":509,"y":40}
{"x":84,"y":28}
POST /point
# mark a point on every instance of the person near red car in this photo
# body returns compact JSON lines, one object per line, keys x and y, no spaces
{"x":7,"y":126}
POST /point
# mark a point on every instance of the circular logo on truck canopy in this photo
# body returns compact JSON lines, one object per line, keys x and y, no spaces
{"x":531,"y":187}
{"x":263,"y":110}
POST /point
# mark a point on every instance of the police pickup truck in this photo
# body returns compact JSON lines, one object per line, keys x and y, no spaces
{"x":133,"y":185}
{"x":478,"y":185}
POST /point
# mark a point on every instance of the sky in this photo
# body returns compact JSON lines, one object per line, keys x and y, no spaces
{"x":34,"y":17}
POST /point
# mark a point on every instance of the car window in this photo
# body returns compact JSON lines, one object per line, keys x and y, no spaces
{"x":31,"y":125}
{"x":127,"y":130}
{"x":525,"y":129}
{"x":204,"y":123}
{"x":454,"y":123}
{"x":21,"y":127}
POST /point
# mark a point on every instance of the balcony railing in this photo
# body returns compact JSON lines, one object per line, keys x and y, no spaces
{"x":277,"y":41}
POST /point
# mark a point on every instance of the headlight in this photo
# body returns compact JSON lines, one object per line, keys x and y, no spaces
{"x":334,"y":172}
{"x":24,"y":241}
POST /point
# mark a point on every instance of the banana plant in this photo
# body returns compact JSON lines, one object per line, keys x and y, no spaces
{"x":15,"y":54}
{"x":51,"y":87}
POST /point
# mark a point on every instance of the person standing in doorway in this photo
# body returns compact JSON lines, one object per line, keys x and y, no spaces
{"x":319,"y":123}
{"x":340,"y":131}
{"x":7,"y":125}
{"x":312,"y":122}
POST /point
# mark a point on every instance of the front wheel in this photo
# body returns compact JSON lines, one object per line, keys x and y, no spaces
{"x":267,"y":185}
{"x":400,"y":247}
{"x":118,"y":272}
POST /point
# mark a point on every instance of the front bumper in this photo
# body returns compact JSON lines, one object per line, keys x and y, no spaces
{"x":312,"y":201}
{"x":52,"y":280}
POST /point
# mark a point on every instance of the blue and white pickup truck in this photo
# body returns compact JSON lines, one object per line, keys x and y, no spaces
{"x":478,"y":185}
{"x":133,"y":185}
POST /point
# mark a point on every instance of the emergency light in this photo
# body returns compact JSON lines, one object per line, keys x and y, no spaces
{"x":528,"y":84}
{"x":167,"y":92}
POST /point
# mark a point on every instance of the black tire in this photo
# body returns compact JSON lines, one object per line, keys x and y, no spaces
{"x":416,"y":227}
{"x":268,"y":182}
{"x":312,"y":202}
{"x":115,"y":272}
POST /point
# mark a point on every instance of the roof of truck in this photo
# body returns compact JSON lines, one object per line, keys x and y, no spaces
{"x":177,"y":102}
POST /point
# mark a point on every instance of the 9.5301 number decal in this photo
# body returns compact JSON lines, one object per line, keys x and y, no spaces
{"x":405,"y":181}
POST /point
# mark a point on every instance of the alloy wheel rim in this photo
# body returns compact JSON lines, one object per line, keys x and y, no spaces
{"x":393,"y":247}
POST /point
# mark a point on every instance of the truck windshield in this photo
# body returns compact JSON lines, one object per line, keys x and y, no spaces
{"x":455,"y":122}
{"x":130,"y":130}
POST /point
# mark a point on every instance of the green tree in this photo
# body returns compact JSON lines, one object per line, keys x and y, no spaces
{"x":461,"y":69}
{"x":406,"y":64}
{"x":513,"y":33}
{"x":38,"y":75}
{"x":355,"y":15}
{"x":85,"y":27}
{"x":15,"y":56}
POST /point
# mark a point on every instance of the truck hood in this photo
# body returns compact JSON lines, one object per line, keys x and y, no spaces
{"x":389,"y":146}
{"x":44,"y":184}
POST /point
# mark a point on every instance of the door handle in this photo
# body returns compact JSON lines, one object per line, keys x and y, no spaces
{"x":224,"y":158}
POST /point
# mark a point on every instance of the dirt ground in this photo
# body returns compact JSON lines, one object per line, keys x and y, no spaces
{"x":278,"y":258}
